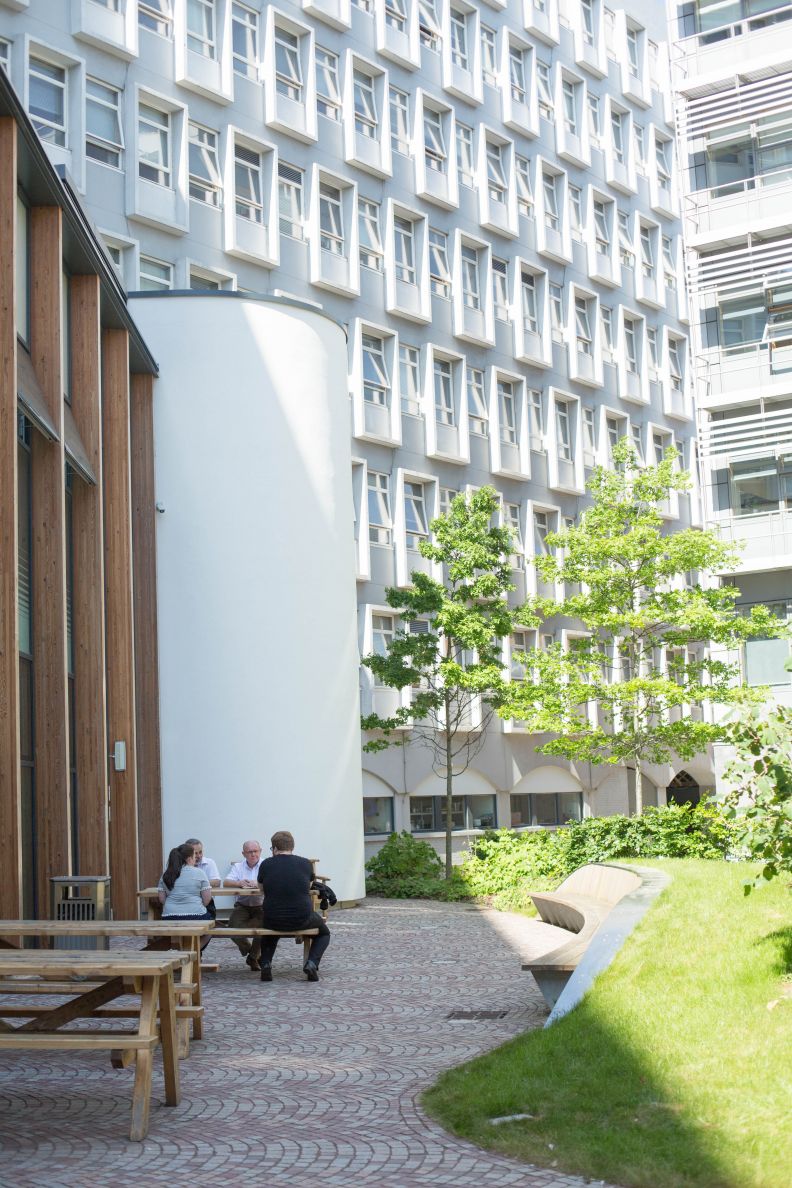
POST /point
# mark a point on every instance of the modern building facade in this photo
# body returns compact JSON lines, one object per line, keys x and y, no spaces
{"x":733,"y":77}
{"x":79,"y":756}
{"x":485,"y":195}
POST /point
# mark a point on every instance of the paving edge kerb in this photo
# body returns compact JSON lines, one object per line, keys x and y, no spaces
{"x":610,"y":937}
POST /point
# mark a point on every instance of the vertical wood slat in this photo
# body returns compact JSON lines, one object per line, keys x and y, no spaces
{"x":144,"y":543}
{"x":51,"y":732}
{"x":10,"y":781}
{"x":120,"y":645}
{"x":88,"y":593}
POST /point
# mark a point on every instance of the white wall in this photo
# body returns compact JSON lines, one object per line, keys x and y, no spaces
{"x":257,"y":620}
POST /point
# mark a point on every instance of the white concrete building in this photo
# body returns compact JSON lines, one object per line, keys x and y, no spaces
{"x":733,"y":77}
{"x":485,"y":195}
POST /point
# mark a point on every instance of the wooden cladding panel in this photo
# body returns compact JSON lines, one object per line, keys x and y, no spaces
{"x":88,"y":622}
{"x":51,"y":736}
{"x":120,"y":640}
{"x":146,"y":654}
{"x":10,"y":792}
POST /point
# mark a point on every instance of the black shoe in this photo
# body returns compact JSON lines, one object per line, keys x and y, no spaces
{"x":253,"y":963}
{"x":245,"y":948}
{"x":311,"y":971}
{"x":266,"y":972}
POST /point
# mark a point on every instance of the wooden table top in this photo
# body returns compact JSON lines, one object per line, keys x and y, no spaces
{"x":90,"y":963}
{"x":105,"y":927}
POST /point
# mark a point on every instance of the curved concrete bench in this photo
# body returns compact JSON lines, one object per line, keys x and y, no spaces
{"x":579,"y":906}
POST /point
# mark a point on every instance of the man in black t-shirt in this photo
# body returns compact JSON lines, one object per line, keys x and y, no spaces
{"x":286,"y":879}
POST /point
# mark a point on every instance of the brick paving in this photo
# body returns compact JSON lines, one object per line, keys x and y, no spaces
{"x":298,"y":1083}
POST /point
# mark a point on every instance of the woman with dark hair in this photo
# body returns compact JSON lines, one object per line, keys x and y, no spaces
{"x":184,"y":890}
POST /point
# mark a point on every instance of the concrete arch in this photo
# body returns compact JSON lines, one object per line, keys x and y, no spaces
{"x":466,"y":783}
{"x":374,"y":785}
{"x":548,"y":778}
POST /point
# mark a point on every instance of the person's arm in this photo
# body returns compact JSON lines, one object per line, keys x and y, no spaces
{"x":206,"y":895}
{"x":213,"y":874}
{"x":231,"y":879}
{"x":162,"y":893}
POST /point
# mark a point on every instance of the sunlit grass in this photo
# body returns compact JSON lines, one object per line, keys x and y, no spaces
{"x":676,"y":1069}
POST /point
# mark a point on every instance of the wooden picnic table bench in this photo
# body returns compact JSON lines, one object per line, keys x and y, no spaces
{"x":158,"y":934}
{"x":92,"y":980}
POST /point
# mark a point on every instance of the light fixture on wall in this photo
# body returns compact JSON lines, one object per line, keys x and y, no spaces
{"x":119,"y":756}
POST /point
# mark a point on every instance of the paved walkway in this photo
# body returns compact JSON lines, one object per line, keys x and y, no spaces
{"x":298,"y":1083}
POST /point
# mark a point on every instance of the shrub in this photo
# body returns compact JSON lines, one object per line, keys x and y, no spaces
{"x":408,"y":868}
{"x":760,"y":804}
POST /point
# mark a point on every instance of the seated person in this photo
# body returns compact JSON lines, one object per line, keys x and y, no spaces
{"x":286,"y":880}
{"x":246,"y":912}
{"x":209,"y":867}
{"x":184,"y":890}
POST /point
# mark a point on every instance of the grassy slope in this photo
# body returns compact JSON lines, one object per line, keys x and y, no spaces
{"x":672,"y":1071}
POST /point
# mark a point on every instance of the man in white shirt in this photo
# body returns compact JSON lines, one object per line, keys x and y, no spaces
{"x":246,"y":912}
{"x":207,"y":865}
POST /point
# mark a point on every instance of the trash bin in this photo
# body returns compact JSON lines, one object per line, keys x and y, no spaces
{"x":80,"y":898}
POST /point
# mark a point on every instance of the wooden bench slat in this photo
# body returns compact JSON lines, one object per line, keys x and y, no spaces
{"x":222,"y":931}
{"x":65,"y":1041}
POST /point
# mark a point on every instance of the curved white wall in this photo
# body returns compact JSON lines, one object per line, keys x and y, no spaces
{"x":256,"y":575}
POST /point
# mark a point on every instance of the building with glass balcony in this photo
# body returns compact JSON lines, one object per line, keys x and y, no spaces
{"x":733,"y":78}
{"x":486,"y":195}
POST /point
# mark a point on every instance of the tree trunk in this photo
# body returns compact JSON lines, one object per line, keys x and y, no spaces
{"x":638,"y":788}
{"x":449,"y":792}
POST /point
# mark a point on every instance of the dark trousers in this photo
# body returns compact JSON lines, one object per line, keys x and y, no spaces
{"x":318,"y":943}
{"x":243,"y":916}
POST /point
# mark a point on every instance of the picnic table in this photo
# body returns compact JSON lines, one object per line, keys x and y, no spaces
{"x":158,"y":934}
{"x":90,"y":980}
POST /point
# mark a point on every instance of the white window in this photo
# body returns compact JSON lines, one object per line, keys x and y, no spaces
{"x":663,"y":162}
{"x":459,"y":39}
{"x":630,"y":345}
{"x":376,"y":381}
{"x":200,"y":280}
{"x":602,"y":237}
{"x":288,"y":68}
{"x":660,"y":443}
{"x":615,"y":434}
{"x":507,"y":412}
{"x":439,"y":271}
{"x":409,"y":380}
{"x":369,"y":234}
{"x":589,"y":436}
{"x":104,"y":139}
{"x":380,"y":524}
{"x":669,"y":262}
{"x":47,"y":100}
{"x":400,"y":121}
{"x":633,"y":52}
{"x":154,"y":145}
{"x":443,"y":392}
{"x":563,"y":431}
{"x":606,"y":323}
{"x":155,"y":275}
{"x":328,"y":92}
{"x":396,"y":14}
{"x":544,"y":89}
{"x":626,"y":246}
{"x":637,"y":442}
{"x":331,"y":219}
{"x":569,"y":91}
{"x":583,"y":334}
{"x":587,"y":20}
{"x":429,"y":25}
{"x":464,"y":154}
{"x":447,"y":497}
{"x":594,"y":118}
{"x":496,"y":174}
{"x":201,"y":28}
{"x":404,"y":249}
{"x":557,"y":311}
{"x":522,"y":170}
{"x":290,"y":200}
{"x":416,"y":524}
{"x":500,"y":289}
{"x":382,"y":627}
{"x":617,"y":135}
{"x":639,"y":137}
{"x":511,"y":516}
{"x":205,"y":181}
{"x":550,"y":201}
{"x":489,"y":56}
{"x":471,"y":289}
{"x":156,"y":15}
{"x":530,"y":316}
{"x":477,"y":405}
{"x":434,"y":141}
{"x":536,"y":428}
{"x":366,"y":117}
{"x":364,"y":5}
{"x":651,"y":345}
{"x":647,"y":252}
{"x":5,"y":54}
{"x":518,"y":74}
{"x":576,"y":212}
{"x":245,"y":40}
{"x":675,"y":348}
{"x":248,"y":184}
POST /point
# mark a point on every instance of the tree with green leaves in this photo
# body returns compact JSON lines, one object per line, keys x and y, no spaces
{"x":647,"y":646}
{"x":449,"y":649}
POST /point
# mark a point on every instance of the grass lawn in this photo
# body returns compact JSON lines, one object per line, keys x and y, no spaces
{"x":676,"y":1069}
